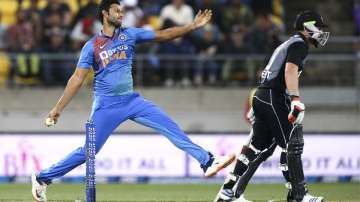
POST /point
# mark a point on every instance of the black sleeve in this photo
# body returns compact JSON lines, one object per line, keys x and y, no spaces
{"x":297,"y":53}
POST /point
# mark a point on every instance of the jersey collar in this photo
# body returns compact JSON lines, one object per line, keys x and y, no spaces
{"x":116,"y":33}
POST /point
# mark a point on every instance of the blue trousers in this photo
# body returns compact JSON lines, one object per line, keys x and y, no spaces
{"x":108,"y":113}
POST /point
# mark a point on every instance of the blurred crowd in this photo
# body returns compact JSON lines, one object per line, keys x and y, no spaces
{"x":238,"y":27}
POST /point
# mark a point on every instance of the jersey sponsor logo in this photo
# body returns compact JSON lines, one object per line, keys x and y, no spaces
{"x":265,"y":74}
{"x":117,"y":53}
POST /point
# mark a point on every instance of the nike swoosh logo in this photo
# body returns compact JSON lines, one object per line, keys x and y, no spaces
{"x":103,"y":46}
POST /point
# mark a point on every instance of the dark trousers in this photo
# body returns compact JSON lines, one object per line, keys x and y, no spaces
{"x":271,"y":110}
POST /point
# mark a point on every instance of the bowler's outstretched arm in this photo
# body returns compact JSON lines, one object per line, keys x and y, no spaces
{"x":201,"y":19}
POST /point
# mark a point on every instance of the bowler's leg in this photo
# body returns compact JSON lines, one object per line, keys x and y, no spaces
{"x":155,"y":118}
{"x":105,"y":122}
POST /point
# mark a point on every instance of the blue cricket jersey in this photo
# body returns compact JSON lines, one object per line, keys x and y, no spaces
{"x":111,"y":58}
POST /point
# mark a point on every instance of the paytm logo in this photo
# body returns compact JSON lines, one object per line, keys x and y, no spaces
{"x":113,"y":54}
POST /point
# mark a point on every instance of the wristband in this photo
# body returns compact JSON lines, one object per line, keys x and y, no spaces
{"x":294,"y":97}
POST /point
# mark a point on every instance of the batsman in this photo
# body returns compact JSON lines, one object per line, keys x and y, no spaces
{"x":110,"y":53}
{"x":278,"y":114}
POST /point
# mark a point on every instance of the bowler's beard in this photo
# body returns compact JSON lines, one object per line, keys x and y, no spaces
{"x":114,"y":22}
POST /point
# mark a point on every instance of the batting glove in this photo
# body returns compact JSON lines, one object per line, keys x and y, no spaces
{"x":297,"y":112}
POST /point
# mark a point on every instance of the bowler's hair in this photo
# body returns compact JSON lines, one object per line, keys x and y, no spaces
{"x":105,"y":5}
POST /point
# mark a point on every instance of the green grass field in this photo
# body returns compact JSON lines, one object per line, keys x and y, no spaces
{"x":174,"y":192}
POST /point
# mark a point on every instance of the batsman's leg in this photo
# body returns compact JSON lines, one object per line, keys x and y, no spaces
{"x":252,"y":167}
{"x":246,"y":165}
{"x":294,"y":151}
{"x":237,"y":180}
{"x":298,"y":191}
{"x":285,"y":171}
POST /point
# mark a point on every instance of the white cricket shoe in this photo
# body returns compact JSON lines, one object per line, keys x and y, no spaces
{"x":38,"y":190}
{"x":217,"y":163}
{"x":224,"y":195}
{"x":228,"y":195}
{"x":310,"y":198}
{"x":241,"y":199}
